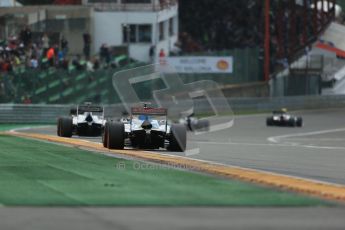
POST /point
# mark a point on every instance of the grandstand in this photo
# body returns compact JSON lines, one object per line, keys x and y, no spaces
{"x":59,"y":86}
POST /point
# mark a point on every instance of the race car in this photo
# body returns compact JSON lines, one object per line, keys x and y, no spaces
{"x":85,"y":120}
{"x":282,"y":118}
{"x":193,"y":124}
{"x":146,"y":128}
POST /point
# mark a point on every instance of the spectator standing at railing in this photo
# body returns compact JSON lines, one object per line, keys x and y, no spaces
{"x":51,"y":56}
{"x":105,"y":54}
{"x":34,"y":62}
{"x":26,"y":36}
{"x":161,"y":53}
{"x":152,"y":53}
{"x":64,"y":45}
{"x":87,"y":45}
{"x":45,"y":43}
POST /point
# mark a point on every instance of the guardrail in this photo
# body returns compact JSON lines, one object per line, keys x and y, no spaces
{"x":16,"y":113}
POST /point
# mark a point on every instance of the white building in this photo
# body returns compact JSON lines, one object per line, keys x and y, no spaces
{"x":138,"y":24}
{"x":9,"y":3}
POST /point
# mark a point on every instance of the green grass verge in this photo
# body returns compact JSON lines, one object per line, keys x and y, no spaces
{"x":39,"y":173}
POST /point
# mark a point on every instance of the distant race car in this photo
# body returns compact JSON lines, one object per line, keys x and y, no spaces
{"x":282,"y":118}
{"x":194,"y":124}
{"x":145,"y":128}
{"x":85,"y":120}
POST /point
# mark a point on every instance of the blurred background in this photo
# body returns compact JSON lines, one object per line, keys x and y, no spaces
{"x":66,"y":51}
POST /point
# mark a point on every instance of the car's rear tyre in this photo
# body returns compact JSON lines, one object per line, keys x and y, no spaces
{"x":66,"y":127}
{"x":178,"y":138}
{"x":269,"y":121}
{"x":116,"y":135}
{"x":299,"y":122}
{"x":105,"y":136}
{"x":58,"y":128}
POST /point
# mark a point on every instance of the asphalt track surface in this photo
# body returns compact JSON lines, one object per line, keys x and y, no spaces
{"x":315,"y":151}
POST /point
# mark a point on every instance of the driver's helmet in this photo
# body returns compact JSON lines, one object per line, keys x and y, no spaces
{"x":144,"y":117}
{"x":284,"y":110}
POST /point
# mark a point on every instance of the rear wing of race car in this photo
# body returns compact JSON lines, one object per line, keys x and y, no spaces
{"x":89,"y":108}
{"x":149,"y":111}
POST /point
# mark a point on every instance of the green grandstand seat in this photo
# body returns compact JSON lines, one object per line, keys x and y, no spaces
{"x":67,"y":92}
{"x":54,"y":98}
{"x":71,"y":68}
{"x":54,"y":83}
{"x":41,"y":90}
{"x":81,"y":76}
{"x":42,"y":75}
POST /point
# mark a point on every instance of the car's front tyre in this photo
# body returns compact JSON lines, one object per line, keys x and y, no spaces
{"x":269,"y":121}
{"x":299,"y":122}
{"x":105,"y":135}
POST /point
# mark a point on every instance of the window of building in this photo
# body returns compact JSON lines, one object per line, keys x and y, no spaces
{"x":144,"y":33}
{"x":171,"y":27}
{"x":137,"y":33}
{"x":161,"y":31}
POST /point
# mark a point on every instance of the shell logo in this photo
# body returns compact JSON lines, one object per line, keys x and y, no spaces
{"x":222,"y":65}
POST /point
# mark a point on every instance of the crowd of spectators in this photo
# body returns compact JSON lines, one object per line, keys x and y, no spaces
{"x":207,"y":25}
{"x":220,"y":25}
{"x":22,"y":51}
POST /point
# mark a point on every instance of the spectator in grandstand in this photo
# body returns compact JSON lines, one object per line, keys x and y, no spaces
{"x":45,"y":43}
{"x":76,"y":62}
{"x":64,"y":45}
{"x":26,"y":100}
{"x":152,"y":53}
{"x":87,"y":45}
{"x":2,"y":88}
{"x":89,"y":66}
{"x":34,"y":62}
{"x":51,"y":56}
{"x":105,"y":54}
{"x":60,"y":56}
{"x":26,"y":36}
{"x":161,"y":53}
{"x":96,"y":64}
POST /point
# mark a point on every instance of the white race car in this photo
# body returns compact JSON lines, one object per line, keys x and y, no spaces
{"x":85,"y":120}
{"x":145,"y":128}
{"x":282,"y":118}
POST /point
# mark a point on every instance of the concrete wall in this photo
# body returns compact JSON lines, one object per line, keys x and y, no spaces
{"x":49,"y":113}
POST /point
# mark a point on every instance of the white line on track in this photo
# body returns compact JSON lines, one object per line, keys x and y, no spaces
{"x":29,"y":127}
{"x":276,"y":139}
{"x":275,"y":145}
{"x":241,"y":143}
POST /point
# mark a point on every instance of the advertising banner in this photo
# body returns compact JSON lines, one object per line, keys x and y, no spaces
{"x":196,"y":64}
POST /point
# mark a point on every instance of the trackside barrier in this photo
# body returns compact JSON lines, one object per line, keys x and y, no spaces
{"x":17,"y":113}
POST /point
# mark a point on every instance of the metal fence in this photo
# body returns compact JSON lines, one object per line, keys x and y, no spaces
{"x":14,"y":113}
